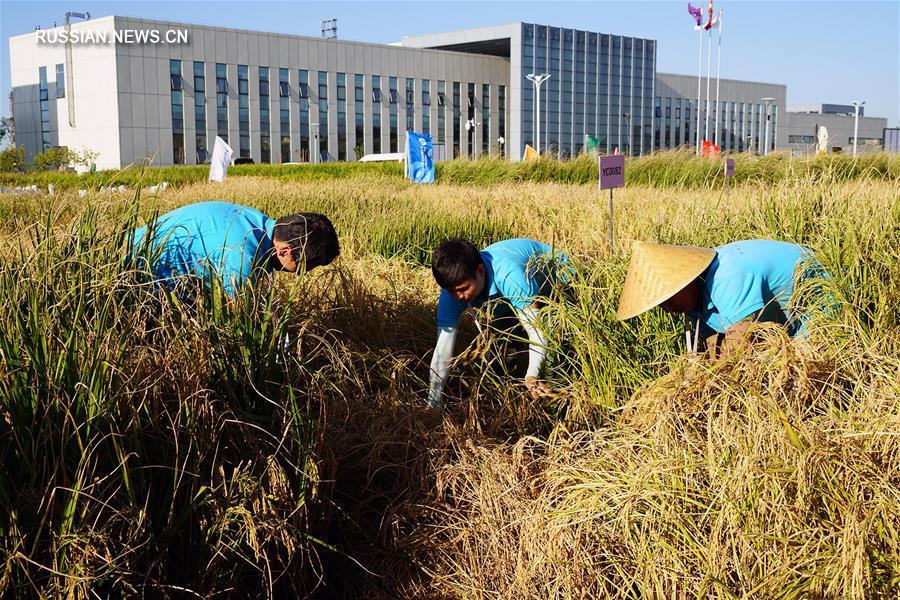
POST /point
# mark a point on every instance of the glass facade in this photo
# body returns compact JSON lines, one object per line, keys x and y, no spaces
{"x":177,"y":97}
{"x":426,"y":106}
{"x":470,"y":120}
{"x":410,"y":105}
{"x":359,"y":116}
{"x":284,"y":117}
{"x":441,"y":110}
{"x":485,"y":119}
{"x":376,"y":114}
{"x":323,"y":117}
{"x":394,"y":99}
{"x":600,"y":85}
{"x":342,"y":115}
{"x":200,"y":112}
{"x":45,"y":109}
{"x":501,"y":109}
{"x":221,"y":101}
{"x":60,"y":81}
{"x":243,"y":111}
{"x":265,"y":123}
{"x":303,"y":79}
{"x":457,"y":119}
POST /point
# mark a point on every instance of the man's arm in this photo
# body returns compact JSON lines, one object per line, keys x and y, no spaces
{"x":440,"y":365}
{"x":537,"y":351}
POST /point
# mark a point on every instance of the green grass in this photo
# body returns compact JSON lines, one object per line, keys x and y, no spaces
{"x":665,"y":169}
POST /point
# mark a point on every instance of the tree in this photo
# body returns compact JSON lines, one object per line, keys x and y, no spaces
{"x":12,"y":159}
{"x":6,"y":129}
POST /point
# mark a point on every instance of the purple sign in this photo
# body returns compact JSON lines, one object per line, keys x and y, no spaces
{"x":612,"y":171}
{"x":729,"y":167}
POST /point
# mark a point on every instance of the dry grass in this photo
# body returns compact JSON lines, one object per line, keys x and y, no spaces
{"x":770,"y":474}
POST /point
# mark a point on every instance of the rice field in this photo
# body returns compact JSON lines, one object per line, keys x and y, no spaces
{"x":155,"y":449}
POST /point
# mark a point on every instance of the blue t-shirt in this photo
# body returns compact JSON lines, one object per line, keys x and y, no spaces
{"x":746,"y":277}
{"x":210,"y":239}
{"x":517,"y":271}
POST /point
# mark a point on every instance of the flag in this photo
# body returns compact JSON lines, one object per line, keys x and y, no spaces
{"x":709,"y":24}
{"x":221,"y":158}
{"x":419,"y":159}
{"x":710,"y":149}
{"x":591,"y":145}
{"x":696,"y":13}
{"x":617,"y":150}
{"x":530,"y":153}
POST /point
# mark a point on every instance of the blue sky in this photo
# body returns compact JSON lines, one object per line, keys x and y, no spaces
{"x":824,"y":51}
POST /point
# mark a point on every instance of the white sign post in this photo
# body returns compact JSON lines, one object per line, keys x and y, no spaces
{"x":221,"y":158}
{"x":612,"y":175}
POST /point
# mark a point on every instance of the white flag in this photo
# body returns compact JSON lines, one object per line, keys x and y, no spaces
{"x":221,"y":158}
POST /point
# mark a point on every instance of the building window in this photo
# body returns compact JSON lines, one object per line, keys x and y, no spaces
{"x":45,"y":110}
{"x":457,"y":118}
{"x":358,"y":116}
{"x":323,"y":116}
{"x":200,"y":112}
{"x":303,"y":76}
{"x":426,"y":103}
{"x":60,"y":81}
{"x":342,"y":115}
{"x":221,"y":102}
{"x":265,"y":124}
{"x":485,"y":119}
{"x":376,"y":114}
{"x":470,"y":123}
{"x":410,"y":109}
{"x":804,"y":139}
{"x":303,"y":90}
{"x":284,"y":106}
{"x":501,"y":109}
{"x":244,"y":111}
{"x":442,"y":128}
{"x":868,"y":142}
{"x":177,"y":96}
{"x":394,"y":96}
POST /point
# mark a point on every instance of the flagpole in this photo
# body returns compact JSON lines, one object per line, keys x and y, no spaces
{"x":718,"y":70}
{"x":699,"y":83}
{"x":708,"y":75}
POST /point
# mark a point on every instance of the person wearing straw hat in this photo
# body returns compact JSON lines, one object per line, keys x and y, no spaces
{"x":517,"y":273}
{"x":722,"y":290}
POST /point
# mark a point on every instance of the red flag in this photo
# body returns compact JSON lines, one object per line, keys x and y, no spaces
{"x":709,"y":23}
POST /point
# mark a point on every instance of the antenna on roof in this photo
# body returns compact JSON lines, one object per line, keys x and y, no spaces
{"x":329,"y":29}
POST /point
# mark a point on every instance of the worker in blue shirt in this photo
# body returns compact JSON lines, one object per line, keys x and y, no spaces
{"x":722,"y":290}
{"x":232,"y":243}
{"x":517,"y":271}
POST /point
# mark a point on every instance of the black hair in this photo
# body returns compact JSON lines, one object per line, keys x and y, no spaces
{"x":311,"y":237}
{"x":455,"y":261}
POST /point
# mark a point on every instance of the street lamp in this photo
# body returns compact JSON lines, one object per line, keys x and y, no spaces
{"x":470,"y":130}
{"x":627,"y":116}
{"x":501,"y":141}
{"x":537,"y":79}
{"x":768,"y":102}
{"x":856,"y":105}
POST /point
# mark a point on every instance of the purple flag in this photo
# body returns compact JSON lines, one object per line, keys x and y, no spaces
{"x":696,"y":13}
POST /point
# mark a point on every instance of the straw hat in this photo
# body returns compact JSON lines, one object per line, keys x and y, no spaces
{"x":657,"y":272}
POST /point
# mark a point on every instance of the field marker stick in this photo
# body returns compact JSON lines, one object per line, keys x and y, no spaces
{"x":610,"y":219}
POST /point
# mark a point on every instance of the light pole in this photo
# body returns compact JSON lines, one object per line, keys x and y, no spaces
{"x":537,"y":79}
{"x":768,"y":102}
{"x":470,"y":131}
{"x":856,"y":105}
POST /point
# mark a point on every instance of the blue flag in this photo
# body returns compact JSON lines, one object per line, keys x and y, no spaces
{"x":419,"y":159}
